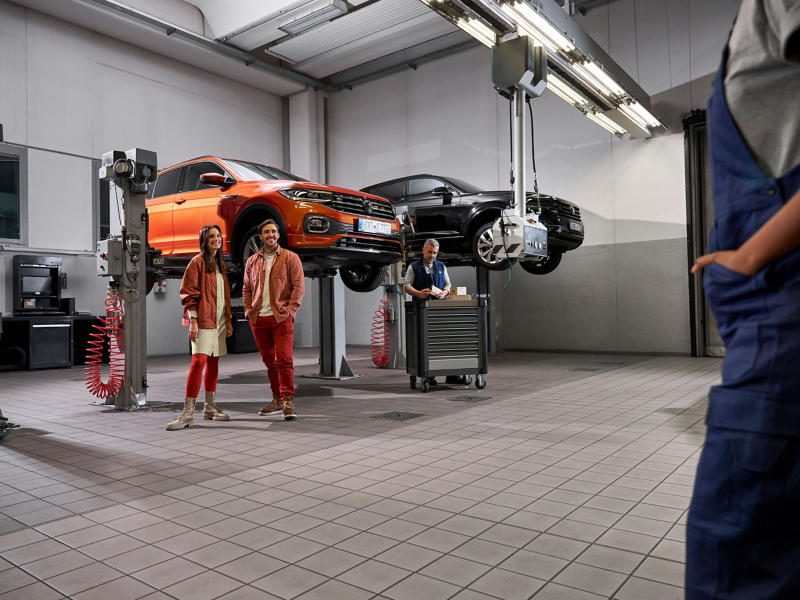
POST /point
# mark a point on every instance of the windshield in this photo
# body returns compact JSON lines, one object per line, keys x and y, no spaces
{"x":248,"y":171}
{"x":463,"y":185}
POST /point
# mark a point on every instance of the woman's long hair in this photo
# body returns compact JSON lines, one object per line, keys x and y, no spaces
{"x":207,"y":258}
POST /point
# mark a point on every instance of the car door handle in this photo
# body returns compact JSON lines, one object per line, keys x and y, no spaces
{"x":181,"y":201}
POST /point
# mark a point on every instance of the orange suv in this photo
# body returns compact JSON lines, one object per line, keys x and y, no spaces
{"x":328,"y":227}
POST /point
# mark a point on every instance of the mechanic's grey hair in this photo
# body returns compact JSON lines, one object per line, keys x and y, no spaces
{"x":430,"y":242}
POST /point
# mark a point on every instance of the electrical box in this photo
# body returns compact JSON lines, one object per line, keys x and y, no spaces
{"x":109,"y":258}
{"x":535,"y":235}
{"x":160,"y":287}
{"x":518,"y":63}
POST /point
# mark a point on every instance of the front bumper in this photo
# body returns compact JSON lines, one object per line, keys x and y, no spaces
{"x":350,"y":250}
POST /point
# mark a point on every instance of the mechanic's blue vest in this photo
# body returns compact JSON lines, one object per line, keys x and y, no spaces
{"x":421,"y":278}
{"x":758,"y":317}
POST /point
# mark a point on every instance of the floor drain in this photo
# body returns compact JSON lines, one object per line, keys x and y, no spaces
{"x":469,"y":398}
{"x":612,"y":363}
{"x":396,"y":416}
{"x":158,"y":372}
{"x":78,"y":379}
{"x":585,"y":369}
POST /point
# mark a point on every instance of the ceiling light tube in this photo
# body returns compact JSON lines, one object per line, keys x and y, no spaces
{"x":587,"y":77}
{"x":608,"y":128}
{"x":524,"y":28}
{"x":641,"y":123}
{"x":478,"y":30}
{"x":565,"y":88}
{"x":561,"y":94}
{"x":604,"y":119}
{"x":604,"y":78}
{"x":645,"y":114}
{"x":540,"y":24}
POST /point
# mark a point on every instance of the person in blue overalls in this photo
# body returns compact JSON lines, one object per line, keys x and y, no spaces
{"x":743,"y":529}
{"x":426,"y":274}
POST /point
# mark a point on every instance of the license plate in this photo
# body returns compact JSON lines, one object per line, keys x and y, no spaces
{"x":370,"y":226}
{"x":576,"y":226}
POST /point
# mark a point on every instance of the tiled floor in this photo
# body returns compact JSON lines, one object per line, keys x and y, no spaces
{"x":571,"y":482}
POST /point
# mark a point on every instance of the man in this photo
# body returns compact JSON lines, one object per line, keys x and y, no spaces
{"x":273,"y":288}
{"x":426,"y":274}
{"x":743,"y":528}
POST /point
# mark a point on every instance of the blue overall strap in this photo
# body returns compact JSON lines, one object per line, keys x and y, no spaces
{"x":758,"y":317}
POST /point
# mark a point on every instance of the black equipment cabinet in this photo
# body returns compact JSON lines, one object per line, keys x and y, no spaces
{"x":241,"y":339}
{"x":46,"y":340}
{"x":446,"y":337}
{"x":37,"y":285}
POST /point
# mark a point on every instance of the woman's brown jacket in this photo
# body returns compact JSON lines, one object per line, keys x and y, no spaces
{"x":199,"y":293}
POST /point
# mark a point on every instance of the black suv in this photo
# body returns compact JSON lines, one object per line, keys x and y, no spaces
{"x":460,"y":216}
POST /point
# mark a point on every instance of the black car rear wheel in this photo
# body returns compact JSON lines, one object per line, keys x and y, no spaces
{"x":483,"y":251}
{"x":363,"y":277}
{"x":543,"y":267}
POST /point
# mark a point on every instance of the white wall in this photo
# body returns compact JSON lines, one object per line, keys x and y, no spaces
{"x":626,"y":288}
{"x":69,"y":90}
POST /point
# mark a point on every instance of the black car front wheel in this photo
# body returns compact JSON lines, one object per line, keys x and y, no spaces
{"x":483,"y":250}
{"x":544,"y":266}
{"x":363,"y":278}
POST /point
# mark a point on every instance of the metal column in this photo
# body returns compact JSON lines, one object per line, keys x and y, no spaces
{"x":518,"y":152}
{"x":397,"y":319}
{"x":332,"y":341}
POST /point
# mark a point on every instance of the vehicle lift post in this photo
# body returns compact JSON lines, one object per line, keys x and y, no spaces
{"x":133,"y":171}
{"x":332,"y":336}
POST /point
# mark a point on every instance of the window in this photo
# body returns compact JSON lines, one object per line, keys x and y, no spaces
{"x":393,"y":192}
{"x":465,"y":187}
{"x":255,"y":172}
{"x":167,"y":183}
{"x":191,"y":181}
{"x":9,"y":198}
{"x":421,"y":189}
{"x":13,"y":193}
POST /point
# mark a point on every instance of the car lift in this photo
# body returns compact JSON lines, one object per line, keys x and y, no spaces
{"x":119,"y":257}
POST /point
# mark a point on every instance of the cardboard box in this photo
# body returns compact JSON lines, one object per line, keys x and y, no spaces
{"x":459,"y":297}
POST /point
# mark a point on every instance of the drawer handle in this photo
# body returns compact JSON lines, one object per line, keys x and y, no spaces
{"x":51,"y":326}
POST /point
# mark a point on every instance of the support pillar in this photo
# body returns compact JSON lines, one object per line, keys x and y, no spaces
{"x":332,"y":339}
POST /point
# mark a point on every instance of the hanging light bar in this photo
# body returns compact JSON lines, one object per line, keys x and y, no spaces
{"x":564,"y":89}
{"x":644,"y":114}
{"x":640,"y":123}
{"x":478,"y":30}
{"x":606,"y":123}
{"x":536,"y":26}
{"x":599,"y":74}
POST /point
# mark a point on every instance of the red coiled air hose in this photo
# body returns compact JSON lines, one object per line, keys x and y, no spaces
{"x":379,"y":339}
{"x":111,"y":329}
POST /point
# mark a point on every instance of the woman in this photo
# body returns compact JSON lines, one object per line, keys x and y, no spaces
{"x":207,"y":311}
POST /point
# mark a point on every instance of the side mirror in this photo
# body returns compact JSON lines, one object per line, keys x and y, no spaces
{"x":214,"y":179}
{"x":445,"y":193}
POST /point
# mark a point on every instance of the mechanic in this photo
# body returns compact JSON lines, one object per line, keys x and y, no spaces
{"x":743,"y":529}
{"x":206,"y":300}
{"x":273,"y":288}
{"x":430,"y":273}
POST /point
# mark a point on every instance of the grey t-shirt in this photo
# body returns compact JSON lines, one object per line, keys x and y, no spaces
{"x":762,"y":86}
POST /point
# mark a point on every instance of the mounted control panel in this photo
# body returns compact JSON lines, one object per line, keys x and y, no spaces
{"x":109,"y":258}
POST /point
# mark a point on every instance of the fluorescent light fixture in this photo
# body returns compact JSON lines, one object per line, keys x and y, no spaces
{"x":626,"y":110}
{"x":478,"y":30}
{"x":322,"y":15}
{"x":644,"y":114}
{"x":606,"y":123}
{"x":537,"y":27}
{"x":587,"y":77}
{"x":565,"y":90}
{"x":604,"y":78}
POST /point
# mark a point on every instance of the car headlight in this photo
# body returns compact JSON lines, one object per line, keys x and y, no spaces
{"x":301,"y":194}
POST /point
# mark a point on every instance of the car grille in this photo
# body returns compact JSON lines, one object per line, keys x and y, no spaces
{"x":561,"y":208}
{"x":368,"y":244}
{"x":365,"y":207}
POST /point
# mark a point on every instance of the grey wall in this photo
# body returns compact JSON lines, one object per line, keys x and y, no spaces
{"x":69,"y":90}
{"x":626,"y":288}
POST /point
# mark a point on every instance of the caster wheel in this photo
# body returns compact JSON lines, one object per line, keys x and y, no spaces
{"x":467,"y":379}
{"x":425,"y":387}
{"x":413,"y":381}
{"x":480,"y":382}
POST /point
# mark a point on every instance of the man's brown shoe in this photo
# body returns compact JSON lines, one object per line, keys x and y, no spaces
{"x":275,"y":408}
{"x":288,"y":410}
